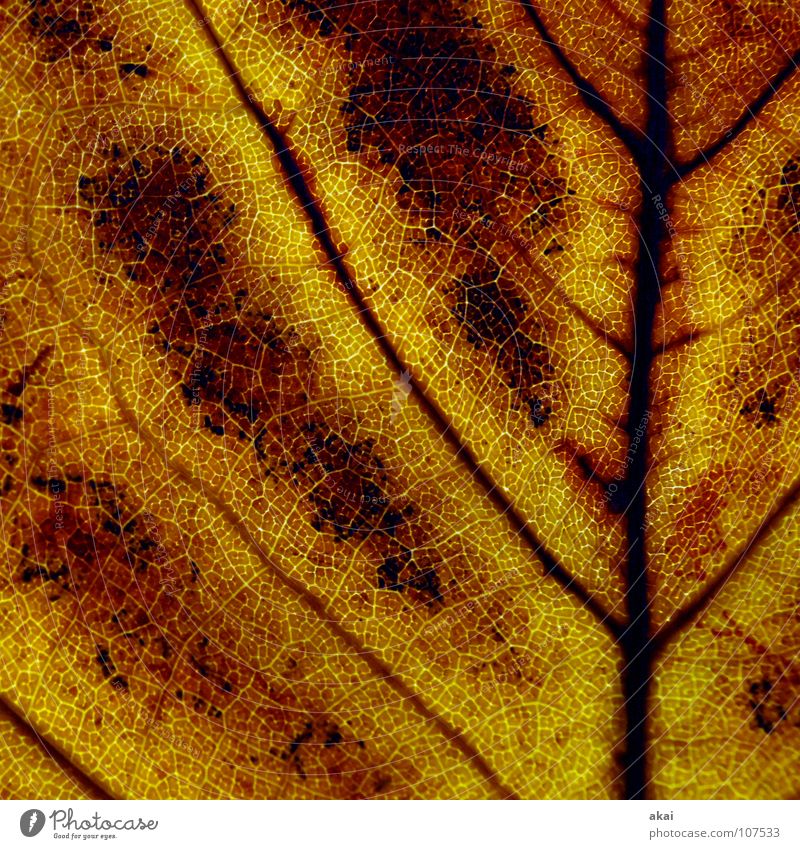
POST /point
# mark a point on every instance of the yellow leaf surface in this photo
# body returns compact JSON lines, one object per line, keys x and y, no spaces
{"x":398,"y":400}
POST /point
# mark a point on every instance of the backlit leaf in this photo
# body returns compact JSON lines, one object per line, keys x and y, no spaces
{"x":398,"y":399}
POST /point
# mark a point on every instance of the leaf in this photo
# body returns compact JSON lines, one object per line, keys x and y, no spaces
{"x":399,"y":399}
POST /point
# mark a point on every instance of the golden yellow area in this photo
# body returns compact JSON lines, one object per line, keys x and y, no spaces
{"x":316,"y":350}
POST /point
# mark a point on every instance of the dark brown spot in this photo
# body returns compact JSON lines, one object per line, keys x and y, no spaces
{"x":495,"y":318}
{"x":103,"y":658}
{"x":11,"y":413}
{"x":772,"y":698}
{"x":243,"y":371}
{"x":62,"y":29}
{"x":127,"y":68}
{"x":428,"y":97}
